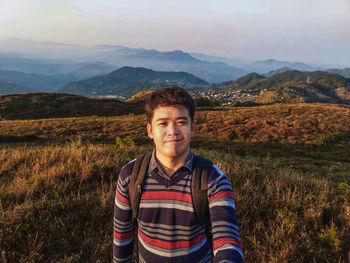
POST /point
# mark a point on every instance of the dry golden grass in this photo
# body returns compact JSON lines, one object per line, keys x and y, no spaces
{"x":293,"y":201}
{"x":283,"y":123}
{"x":56,"y":201}
{"x":56,"y":204}
{"x":92,"y":128}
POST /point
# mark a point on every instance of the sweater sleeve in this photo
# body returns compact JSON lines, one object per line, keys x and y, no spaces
{"x":226,"y":239}
{"x":123,"y":226}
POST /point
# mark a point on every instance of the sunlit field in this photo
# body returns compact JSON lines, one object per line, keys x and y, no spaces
{"x":289,"y":166}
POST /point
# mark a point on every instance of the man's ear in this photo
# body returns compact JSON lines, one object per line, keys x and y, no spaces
{"x":193,"y":126}
{"x":149,"y":130}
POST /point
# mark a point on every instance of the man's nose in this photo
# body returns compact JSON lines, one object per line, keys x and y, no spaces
{"x":172,"y":129}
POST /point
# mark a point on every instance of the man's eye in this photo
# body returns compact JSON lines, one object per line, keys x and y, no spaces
{"x":162,"y":123}
{"x":181,"y":122}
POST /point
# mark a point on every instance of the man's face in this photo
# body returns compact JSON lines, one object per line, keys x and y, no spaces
{"x":171,"y":129}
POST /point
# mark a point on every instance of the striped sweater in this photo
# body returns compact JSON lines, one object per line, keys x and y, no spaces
{"x":167,"y":228}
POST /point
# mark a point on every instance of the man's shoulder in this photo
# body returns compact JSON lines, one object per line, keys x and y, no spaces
{"x":216,"y":175}
{"x":126,"y":170}
{"x":213,"y":168}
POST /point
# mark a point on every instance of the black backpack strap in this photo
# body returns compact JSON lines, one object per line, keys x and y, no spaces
{"x":199,"y":187}
{"x":137,"y":178}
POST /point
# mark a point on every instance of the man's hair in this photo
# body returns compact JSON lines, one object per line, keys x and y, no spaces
{"x":169,"y":96}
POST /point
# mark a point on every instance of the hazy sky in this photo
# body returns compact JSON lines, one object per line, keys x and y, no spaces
{"x":313,"y":31}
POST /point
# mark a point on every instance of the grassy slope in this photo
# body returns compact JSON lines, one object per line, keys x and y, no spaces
{"x":54,"y":105}
{"x":282,"y":123}
{"x":292,"y":196}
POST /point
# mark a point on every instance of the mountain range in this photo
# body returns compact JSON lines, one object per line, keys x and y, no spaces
{"x":53,"y":58}
{"x":293,"y":86}
{"x":128,"y":81}
{"x":287,"y":87}
{"x":32,"y":66}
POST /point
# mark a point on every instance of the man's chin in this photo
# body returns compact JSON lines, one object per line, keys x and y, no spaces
{"x":172,"y":154}
{"x":175,"y":153}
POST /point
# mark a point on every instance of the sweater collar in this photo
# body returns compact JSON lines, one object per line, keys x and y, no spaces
{"x":154,"y":165}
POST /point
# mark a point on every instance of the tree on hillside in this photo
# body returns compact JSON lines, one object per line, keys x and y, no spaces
{"x":206,"y":102}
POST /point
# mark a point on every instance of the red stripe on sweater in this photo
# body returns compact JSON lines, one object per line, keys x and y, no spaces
{"x":121,"y":198}
{"x":222,"y":195}
{"x":167,"y":195}
{"x":171,"y":245}
{"x":222,"y":241}
{"x":123,"y":235}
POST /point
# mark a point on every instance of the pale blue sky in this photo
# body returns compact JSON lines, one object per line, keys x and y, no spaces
{"x":313,"y":31}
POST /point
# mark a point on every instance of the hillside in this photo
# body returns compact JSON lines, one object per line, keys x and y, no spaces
{"x":53,"y":105}
{"x":90,"y":69}
{"x":345,"y":72}
{"x":128,"y":81}
{"x":10,"y":88}
{"x":278,"y":71}
{"x":35,"y":82}
{"x":293,"y":86}
{"x":296,"y":92}
{"x":247,"y":83}
{"x":288,"y":165}
{"x":281,"y":123}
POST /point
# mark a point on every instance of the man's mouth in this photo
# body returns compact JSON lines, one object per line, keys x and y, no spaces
{"x":173,"y":140}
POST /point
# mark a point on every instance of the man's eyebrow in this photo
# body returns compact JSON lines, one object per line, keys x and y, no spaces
{"x":179,"y":118}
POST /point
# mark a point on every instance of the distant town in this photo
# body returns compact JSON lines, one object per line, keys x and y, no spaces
{"x":229,"y":98}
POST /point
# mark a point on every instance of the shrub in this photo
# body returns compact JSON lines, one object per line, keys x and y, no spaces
{"x":124,"y":142}
{"x":206,"y":102}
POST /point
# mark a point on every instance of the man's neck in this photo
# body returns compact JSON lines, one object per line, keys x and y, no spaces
{"x":170,"y":165}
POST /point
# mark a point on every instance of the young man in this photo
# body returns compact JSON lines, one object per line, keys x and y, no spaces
{"x":167,"y":227}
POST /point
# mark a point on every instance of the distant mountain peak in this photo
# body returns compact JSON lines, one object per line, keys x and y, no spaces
{"x":278,"y":71}
{"x":270,"y":60}
{"x":269,"y":65}
{"x":177,"y":54}
{"x":108,"y":46}
{"x":53,"y":43}
{"x":131,"y":69}
{"x":284,"y":69}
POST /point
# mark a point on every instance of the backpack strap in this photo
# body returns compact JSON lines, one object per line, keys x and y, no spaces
{"x":137,"y":179}
{"x":199,"y":187}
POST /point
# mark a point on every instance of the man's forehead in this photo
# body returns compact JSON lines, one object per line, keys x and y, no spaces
{"x":176,"y":111}
{"x":173,"y":109}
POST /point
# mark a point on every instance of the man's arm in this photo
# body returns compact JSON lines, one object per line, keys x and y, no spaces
{"x":124,"y":226}
{"x":226,"y":239}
